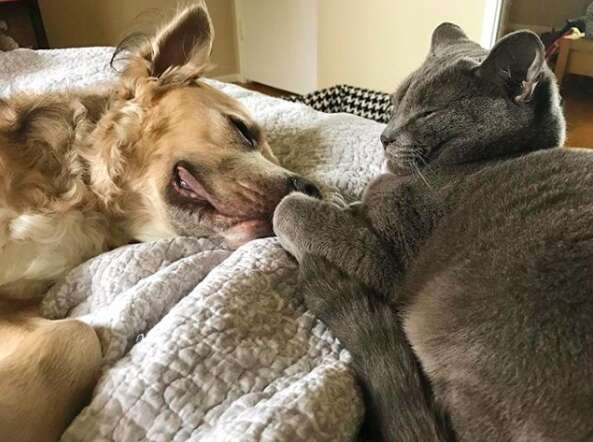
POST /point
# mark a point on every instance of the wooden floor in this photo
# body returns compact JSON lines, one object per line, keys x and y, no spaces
{"x":578,"y":107}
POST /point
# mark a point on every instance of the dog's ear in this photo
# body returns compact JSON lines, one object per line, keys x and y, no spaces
{"x":445,"y":35}
{"x":516,"y":64}
{"x":8,"y":116}
{"x":186,"y":40}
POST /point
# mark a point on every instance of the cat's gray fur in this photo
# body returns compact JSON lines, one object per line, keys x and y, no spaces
{"x":463,"y":283}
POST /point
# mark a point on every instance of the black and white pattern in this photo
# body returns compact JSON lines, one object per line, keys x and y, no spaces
{"x":365,"y":103}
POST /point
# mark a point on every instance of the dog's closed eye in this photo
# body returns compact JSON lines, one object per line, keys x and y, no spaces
{"x":245,"y":132}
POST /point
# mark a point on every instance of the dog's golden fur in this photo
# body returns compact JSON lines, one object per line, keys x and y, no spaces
{"x":160,"y":154}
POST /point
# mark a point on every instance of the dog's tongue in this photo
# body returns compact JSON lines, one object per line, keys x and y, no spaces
{"x":193,"y":184}
{"x":223,"y":209}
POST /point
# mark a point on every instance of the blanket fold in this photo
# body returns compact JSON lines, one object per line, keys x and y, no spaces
{"x":201,"y":342}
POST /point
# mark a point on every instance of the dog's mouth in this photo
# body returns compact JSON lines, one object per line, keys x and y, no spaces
{"x":187,"y":186}
{"x":228,"y":218}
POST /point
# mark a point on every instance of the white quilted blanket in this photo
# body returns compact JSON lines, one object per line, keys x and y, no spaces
{"x":202,"y":343}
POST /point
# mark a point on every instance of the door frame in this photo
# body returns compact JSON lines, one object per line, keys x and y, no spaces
{"x":493,"y":18}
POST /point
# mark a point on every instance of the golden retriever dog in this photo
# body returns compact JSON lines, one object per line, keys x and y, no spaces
{"x":161,"y":154}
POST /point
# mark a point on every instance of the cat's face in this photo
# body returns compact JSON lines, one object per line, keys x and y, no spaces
{"x":466,"y":104}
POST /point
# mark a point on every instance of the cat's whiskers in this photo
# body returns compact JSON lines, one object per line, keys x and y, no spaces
{"x":417,"y":170}
{"x":403,"y":154}
{"x":411,"y":156}
{"x":427,"y":168}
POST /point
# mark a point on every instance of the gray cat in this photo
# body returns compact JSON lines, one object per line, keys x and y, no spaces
{"x":462,"y":284}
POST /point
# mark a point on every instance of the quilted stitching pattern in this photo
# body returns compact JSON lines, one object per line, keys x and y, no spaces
{"x":202,"y":343}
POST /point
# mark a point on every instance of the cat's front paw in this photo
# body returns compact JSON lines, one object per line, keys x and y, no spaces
{"x":293,"y":223}
{"x":320,"y":281}
{"x":337,"y":299}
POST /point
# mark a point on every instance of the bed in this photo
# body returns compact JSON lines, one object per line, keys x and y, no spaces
{"x":201,"y":342}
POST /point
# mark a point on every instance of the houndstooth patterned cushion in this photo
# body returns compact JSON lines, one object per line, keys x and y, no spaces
{"x":365,"y":103}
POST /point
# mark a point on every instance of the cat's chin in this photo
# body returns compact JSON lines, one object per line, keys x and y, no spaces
{"x":390,"y":166}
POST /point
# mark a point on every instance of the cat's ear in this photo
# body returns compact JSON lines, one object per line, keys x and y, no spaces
{"x":445,"y":35}
{"x":186,"y":40}
{"x":516,"y":63}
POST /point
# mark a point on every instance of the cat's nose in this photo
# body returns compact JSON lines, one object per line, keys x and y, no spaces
{"x":303,"y":185}
{"x":388,"y":137}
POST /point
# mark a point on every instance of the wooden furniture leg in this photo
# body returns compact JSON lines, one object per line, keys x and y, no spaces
{"x":562,"y":60}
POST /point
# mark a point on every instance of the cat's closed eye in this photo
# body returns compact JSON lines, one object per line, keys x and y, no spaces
{"x":426,"y":114}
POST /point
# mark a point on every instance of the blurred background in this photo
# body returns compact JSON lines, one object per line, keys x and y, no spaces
{"x":308,"y":44}
{"x":300,"y":46}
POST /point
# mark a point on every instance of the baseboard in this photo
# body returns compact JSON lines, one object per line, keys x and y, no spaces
{"x":229,"y":78}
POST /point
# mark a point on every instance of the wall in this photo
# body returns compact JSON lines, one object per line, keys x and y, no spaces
{"x":371,"y":44}
{"x":278,"y":42}
{"x":376,"y":43}
{"x":73,"y":23}
{"x":225,"y":53}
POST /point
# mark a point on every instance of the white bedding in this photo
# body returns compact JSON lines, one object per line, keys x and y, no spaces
{"x":202,"y":343}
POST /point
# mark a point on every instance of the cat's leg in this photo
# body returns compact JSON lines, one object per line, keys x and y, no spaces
{"x":342,"y":302}
{"x":307,"y":225}
{"x":348,"y":278}
{"x":400,"y":214}
{"x":398,"y":398}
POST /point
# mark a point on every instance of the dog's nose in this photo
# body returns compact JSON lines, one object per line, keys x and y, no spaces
{"x":303,"y":185}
